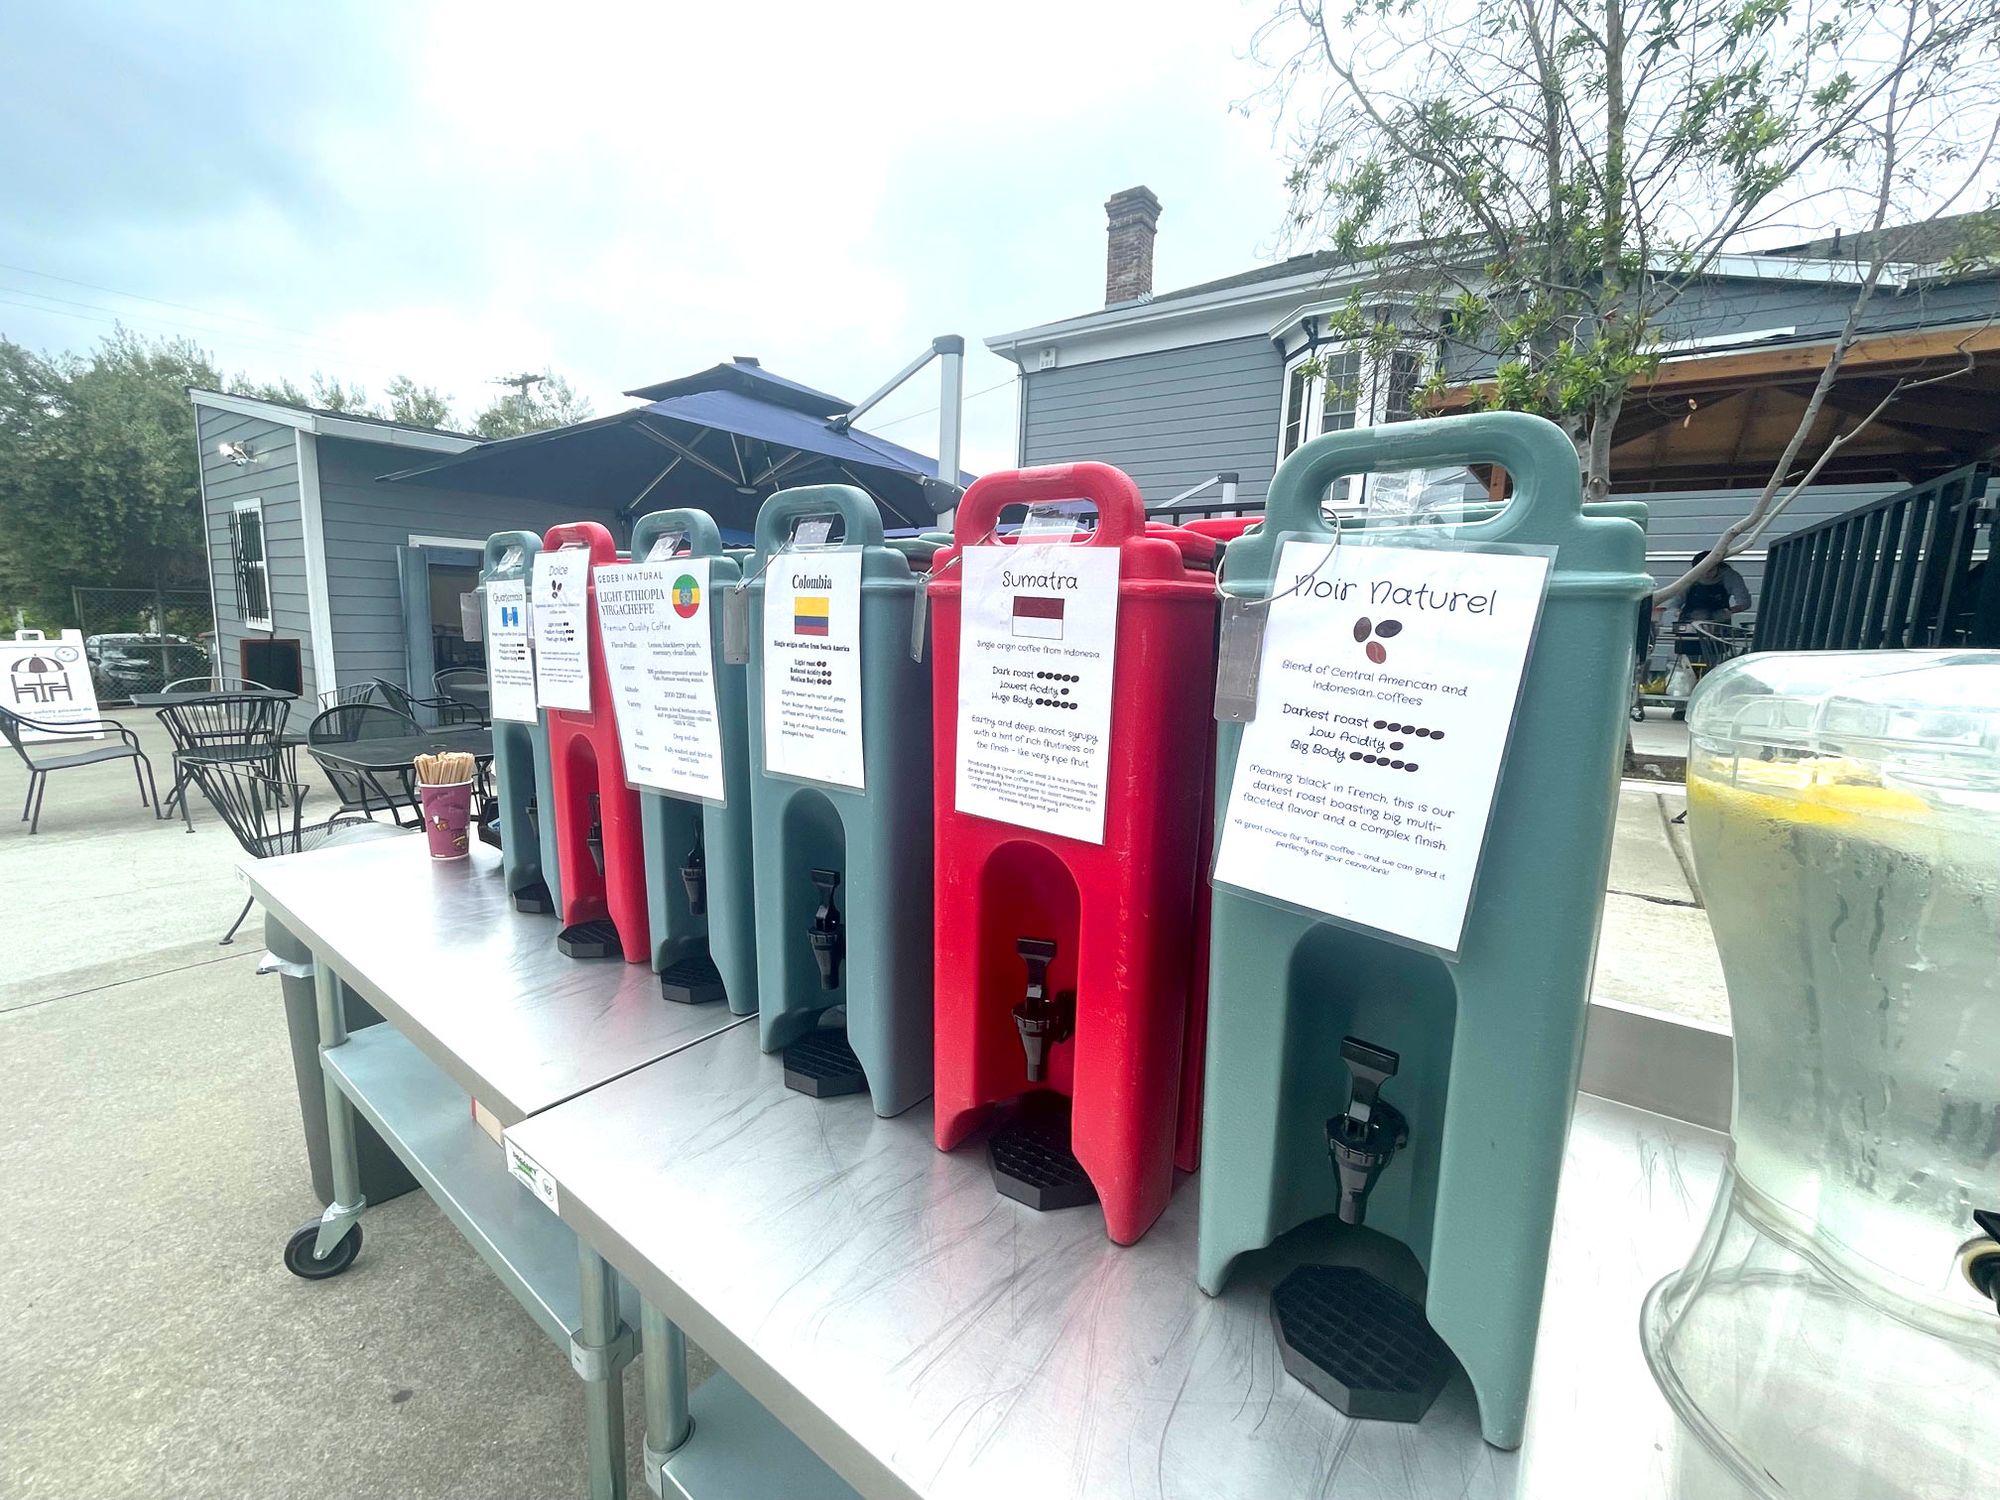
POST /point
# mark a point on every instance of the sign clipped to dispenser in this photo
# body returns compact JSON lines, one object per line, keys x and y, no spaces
{"x":562,"y":641}
{"x":812,"y":667}
{"x":655,"y":621}
{"x":1038,"y":635}
{"x":510,"y":669}
{"x":1385,"y":694}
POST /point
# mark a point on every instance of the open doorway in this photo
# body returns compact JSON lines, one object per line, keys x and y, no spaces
{"x":436,"y":578}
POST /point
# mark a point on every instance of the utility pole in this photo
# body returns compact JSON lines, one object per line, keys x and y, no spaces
{"x":519,"y":383}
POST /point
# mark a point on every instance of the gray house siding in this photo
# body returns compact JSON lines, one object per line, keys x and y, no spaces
{"x":367,"y":525}
{"x":272,"y":477}
{"x":1173,"y":418}
{"x":1169,"y":419}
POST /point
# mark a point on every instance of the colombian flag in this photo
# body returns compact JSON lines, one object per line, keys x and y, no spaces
{"x":809,"y":614}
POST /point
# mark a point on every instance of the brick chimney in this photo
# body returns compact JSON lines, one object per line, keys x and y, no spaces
{"x":1131,"y":219}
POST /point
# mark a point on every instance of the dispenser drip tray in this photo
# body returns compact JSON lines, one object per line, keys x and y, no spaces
{"x":693,"y":980}
{"x":534,"y":897}
{"x":1359,"y":1344}
{"x":597,"y":939}
{"x":823,"y":1065}
{"x":1031,"y":1160}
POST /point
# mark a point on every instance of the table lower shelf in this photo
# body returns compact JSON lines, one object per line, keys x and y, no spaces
{"x":426,"y":1119}
{"x":738,"y":1449}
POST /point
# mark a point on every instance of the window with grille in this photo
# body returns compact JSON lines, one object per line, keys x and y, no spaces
{"x":253,"y":573}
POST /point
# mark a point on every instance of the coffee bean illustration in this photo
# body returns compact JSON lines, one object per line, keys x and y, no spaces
{"x":1389,"y":628}
{"x":1376,"y":654}
{"x":1361,"y":628}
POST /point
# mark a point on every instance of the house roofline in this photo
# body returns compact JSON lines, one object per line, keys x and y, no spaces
{"x":332,"y":424}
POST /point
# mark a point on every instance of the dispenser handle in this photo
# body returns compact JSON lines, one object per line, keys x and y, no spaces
{"x":1548,"y":486}
{"x":704,"y":538}
{"x":859,"y":515}
{"x":1121,"y":510}
{"x":498,"y":544}
{"x":583,"y":534}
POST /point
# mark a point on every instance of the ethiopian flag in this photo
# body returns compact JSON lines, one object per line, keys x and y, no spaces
{"x":809,"y":614}
{"x":687,"y":596}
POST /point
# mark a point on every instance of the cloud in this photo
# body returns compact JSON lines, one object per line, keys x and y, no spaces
{"x":626,"y":192}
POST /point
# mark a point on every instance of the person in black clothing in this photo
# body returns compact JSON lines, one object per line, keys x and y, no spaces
{"x":1715,"y":596}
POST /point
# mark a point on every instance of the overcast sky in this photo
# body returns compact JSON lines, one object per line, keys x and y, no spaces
{"x":626,"y":193}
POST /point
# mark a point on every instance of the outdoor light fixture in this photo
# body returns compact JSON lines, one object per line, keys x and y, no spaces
{"x":239,"y":454}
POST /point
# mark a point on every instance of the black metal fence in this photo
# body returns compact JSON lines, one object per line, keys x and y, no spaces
{"x":139,"y":640}
{"x":1911,"y":569}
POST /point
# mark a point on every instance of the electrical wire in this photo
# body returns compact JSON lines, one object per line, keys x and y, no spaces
{"x":931,"y":410}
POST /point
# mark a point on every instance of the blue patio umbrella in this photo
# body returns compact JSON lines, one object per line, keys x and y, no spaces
{"x":721,"y":441}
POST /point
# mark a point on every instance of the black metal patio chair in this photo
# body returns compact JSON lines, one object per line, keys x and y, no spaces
{"x":361,"y":791}
{"x":465,"y":686}
{"x":448,"y":710}
{"x":14,"y":728}
{"x":266,"y":813}
{"x":353,"y":693}
{"x":233,"y":727}
{"x":218,"y":685}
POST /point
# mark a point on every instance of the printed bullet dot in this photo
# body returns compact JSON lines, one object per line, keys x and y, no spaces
{"x":1409,"y":765}
{"x":1395,"y":744}
{"x":1395,"y":765}
{"x":1437,"y":734}
{"x":1381,"y":723}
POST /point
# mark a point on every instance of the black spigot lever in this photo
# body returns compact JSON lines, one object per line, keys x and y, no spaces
{"x":828,"y":932}
{"x":694,"y":877}
{"x":534,"y":815}
{"x":1042,"y":1019}
{"x":1364,"y":1136}
{"x":594,"y":840}
{"x":1981,"y":1262}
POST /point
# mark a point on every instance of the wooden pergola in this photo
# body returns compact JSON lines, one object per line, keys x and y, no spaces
{"x":1722,"y":420}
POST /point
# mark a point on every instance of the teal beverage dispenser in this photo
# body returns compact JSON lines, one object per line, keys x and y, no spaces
{"x":841,"y":798}
{"x":521,"y":758}
{"x":1381,"y":1083}
{"x":700,"y":902}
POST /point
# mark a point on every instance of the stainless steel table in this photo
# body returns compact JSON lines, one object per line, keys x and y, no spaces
{"x":479,"y":1002}
{"x":928,"y":1337}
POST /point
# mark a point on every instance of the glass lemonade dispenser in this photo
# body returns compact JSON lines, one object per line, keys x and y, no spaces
{"x":1836,"y":1331}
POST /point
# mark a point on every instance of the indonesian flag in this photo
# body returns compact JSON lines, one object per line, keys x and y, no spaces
{"x":1038,"y":616}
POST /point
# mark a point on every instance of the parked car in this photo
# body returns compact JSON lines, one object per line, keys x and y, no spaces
{"x":132,"y":662}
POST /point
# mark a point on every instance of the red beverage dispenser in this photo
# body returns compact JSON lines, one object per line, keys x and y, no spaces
{"x":599,"y":848}
{"x":1067,"y":985}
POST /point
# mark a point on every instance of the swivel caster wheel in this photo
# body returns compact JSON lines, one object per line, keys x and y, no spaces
{"x":299,"y":1258}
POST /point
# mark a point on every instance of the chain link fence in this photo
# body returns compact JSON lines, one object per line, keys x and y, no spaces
{"x":139,"y":640}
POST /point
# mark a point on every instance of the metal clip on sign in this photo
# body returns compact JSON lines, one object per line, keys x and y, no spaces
{"x":1241,"y":653}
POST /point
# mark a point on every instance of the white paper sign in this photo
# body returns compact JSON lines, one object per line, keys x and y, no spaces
{"x":1038,"y":631}
{"x":49,"y":682}
{"x":812,"y":666}
{"x":1384,"y":700}
{"x":510,"y":670}
{"x":525,"y":1170}
{"x":654,"y":619}
{"x":562,"y":638}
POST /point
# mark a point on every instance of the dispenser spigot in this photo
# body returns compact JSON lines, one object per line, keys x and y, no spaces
{"x":694,"y":876}
{"x":594,"y":840}
{"x":828,"y":932}
{"x":1369,"y":1131}
{"x":1042,"y":1019}
{"x":1979,"y":1260}
{"x":534,"y":815}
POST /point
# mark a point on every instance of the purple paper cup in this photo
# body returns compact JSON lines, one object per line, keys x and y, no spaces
{"x":447,"y":816}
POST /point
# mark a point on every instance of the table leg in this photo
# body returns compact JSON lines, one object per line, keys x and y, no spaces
{"x":596,"y":1361}
{"x":663,"y":1355}
{"x":347,"y":1204}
